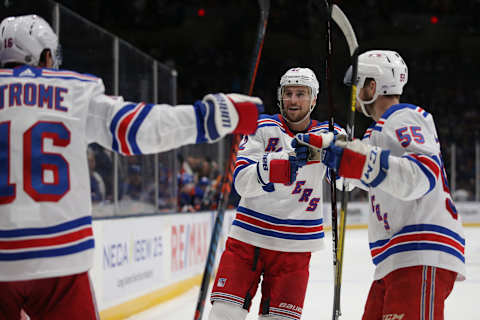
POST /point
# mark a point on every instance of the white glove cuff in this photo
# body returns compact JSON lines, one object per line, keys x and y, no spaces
{"x":221,"y":117}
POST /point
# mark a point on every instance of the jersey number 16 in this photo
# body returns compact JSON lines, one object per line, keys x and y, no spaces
{"x":36,"y":162}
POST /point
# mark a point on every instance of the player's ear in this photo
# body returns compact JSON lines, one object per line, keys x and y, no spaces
{"x":46,"y":60}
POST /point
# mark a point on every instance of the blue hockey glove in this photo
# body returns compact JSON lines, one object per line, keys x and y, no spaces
{"x":316,"y":143}
{"x":301,"y":156}
{"x":358,"y":160}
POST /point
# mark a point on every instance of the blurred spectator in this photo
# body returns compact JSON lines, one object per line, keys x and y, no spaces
{"x":186,"y":192}
{"x":104,"y":167}
{"x":166,"y":200}
{"x":198,"y":182}
{"x":184,"y":165}
{"x":133,"y":187}
{"x":201,"y":200}
{"x":97,"y":185}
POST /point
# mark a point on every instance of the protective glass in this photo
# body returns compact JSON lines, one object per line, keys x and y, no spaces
{"x":57,"y":57}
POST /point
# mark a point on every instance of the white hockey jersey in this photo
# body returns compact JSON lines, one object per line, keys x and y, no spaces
{"x":47,"y":119}
{"x":413,"y":219}
{"x":278,"y":217}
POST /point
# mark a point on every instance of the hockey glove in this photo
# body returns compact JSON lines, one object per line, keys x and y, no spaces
{"x":301,"y":154}
{"x":277,"y":167}
{"x":220,"y":114}
{"x":358,"y":160}
{"x":315,"y":142}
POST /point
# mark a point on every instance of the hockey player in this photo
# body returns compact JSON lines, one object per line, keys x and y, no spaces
{"x":416,"y":238}
{"x":279,"y":219}
{"x":47,"y":119}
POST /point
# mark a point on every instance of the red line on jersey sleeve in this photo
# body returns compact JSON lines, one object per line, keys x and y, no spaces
{"x":123,"y":128}
{"x":432,"y":165}
{"x":46,"y":242}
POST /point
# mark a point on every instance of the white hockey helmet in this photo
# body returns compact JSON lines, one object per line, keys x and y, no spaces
{"x":298,"y":77}
{"x":388,"y":70}
{"x":24,"y":38}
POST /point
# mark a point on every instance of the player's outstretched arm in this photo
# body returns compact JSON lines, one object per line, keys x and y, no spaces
{"x":141,"y":128}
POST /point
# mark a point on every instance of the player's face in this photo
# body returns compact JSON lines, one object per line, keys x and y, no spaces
{"x":296,"y":102}
{"x":366,"y":94}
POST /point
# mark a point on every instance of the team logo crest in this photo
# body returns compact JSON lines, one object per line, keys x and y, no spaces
{"x":221,"y":282}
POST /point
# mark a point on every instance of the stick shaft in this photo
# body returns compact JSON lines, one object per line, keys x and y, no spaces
{"x":343,"y":23}
{"x":229,"y":168}
{"x":332,"y":173}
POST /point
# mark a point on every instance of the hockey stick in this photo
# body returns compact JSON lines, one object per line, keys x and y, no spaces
{"x":331,"y":121}
{"x":226,"y":184}
{"x":332,"y":173}
{"x":343,"y":23}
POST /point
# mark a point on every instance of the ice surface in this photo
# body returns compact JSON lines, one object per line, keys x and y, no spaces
{"x":357,"y":276}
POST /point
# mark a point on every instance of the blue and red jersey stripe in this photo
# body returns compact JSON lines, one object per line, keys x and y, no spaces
{"x":419,"y":237}
{"x":240,"y":164}
{"x":296,"y":229}
{"x":429,"y":165}
{"x":125,"y":125}
{"x":66,"y":238}
{"x":270,"y":122}
{"x":68,"y":75}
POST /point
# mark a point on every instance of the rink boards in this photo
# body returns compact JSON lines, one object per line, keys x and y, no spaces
{"x":143,"y":261}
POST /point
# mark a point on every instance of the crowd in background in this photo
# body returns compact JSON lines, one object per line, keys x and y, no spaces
{"x":197,"y":182}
